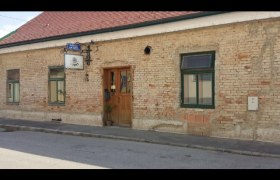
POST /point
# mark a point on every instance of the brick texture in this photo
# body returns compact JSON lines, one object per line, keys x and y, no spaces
{"x":247,"y":64}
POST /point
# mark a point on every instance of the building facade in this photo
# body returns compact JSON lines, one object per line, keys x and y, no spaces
{"x":193,"y":76}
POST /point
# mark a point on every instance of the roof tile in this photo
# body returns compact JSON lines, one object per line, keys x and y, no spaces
{"x":49,"y":24}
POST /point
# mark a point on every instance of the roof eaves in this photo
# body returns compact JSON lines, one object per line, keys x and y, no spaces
{"x":143,"y":24}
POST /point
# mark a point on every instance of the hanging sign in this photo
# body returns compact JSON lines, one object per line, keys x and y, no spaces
{"x":72,"y":61}
{"x":73,"y":47}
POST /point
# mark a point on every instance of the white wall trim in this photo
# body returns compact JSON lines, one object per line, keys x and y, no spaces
{"x":213,"y":20}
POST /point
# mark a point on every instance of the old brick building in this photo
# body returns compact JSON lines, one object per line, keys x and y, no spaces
{"x":181,"y":72}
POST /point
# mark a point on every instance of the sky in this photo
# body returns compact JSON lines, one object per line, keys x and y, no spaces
{"x":10,"y":21}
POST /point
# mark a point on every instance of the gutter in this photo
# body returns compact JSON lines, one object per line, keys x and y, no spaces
{"x":131,"y":26}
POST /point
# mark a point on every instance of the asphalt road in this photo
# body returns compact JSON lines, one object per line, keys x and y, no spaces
{"x":32,"y":150}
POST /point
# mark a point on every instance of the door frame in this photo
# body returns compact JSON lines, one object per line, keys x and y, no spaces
{"x":104,"y":69}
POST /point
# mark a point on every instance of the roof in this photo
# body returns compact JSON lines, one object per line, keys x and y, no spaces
{"x":58,"y":25}
{"x":7,"y":35}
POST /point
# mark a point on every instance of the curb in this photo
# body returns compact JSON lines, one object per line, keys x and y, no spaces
{"x":74,"y":133}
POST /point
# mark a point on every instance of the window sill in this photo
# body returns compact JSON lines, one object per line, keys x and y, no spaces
{"x":12,"y":103}
{"x":56,"y":104}
{"x":198,"y":106}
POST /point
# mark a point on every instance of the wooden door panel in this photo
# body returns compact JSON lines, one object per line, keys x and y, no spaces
{"x":125,"y":109}
{"x":124,"y":94}
{"x":110,"y":79}
{"x":121,"y":98}
{"x":115,"y":111}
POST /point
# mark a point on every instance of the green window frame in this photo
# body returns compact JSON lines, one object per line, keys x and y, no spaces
{"x":13,"y":86}
{"x":198,"y":79}
{"x":56,"y":85}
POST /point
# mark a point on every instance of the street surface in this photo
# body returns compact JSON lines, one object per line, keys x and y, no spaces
{"x":36,"y":150}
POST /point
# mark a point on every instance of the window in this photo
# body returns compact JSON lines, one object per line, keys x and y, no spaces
{"x":125,"y":81}
{"x":56,"y":85}
{"x":197,"y":77}
{"x":13,"y":86}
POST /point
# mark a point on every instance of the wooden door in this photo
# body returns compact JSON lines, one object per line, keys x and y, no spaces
{"x":118,"y":83}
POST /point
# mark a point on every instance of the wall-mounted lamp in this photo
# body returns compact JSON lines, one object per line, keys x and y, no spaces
{"x":88,"y":58}
{"x":87,"y":51}
{"x":113,"y":89}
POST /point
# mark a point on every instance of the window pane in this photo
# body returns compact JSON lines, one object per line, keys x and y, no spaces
{"x":112,"y":82}
{"x":10,"y":92}
{"x":16,"y":92}
{"x":60,"y":85}
{"x":196,"y":61}
{"x":123,"y":82}
{"x":53,"y":91}
{"x":57,"y":73}
{"x":128,"y":81}
{"x":205,"y":88}
{"x":190,"y":89}
{"x":13,"y":74}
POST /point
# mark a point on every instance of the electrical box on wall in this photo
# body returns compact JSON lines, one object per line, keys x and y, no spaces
{"x":253,"y":103}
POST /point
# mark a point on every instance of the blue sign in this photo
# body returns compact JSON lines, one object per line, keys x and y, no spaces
{"x":73,"y":47}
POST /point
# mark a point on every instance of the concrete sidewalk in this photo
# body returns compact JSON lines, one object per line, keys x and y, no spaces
{"x":255,"y":148}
